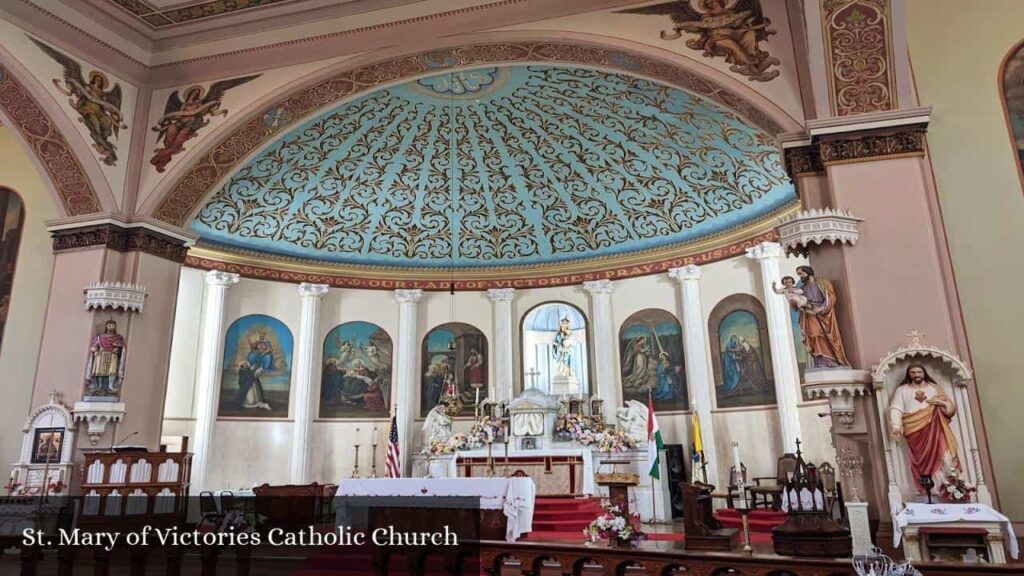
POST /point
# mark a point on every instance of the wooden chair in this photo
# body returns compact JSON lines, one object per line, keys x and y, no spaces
{"x":833,"y":491}
{"x":290,"y":506}
{"x":733,"y":490}
{"x":767,"y":491}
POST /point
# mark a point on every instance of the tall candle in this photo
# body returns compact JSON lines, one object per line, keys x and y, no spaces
{"x":737,"y":465}
{"x":477,"y":396}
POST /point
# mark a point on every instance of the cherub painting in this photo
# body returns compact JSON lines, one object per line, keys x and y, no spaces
{"x":182,"y":120}
{"x":98,"y":108}
{"x":731,"y":29}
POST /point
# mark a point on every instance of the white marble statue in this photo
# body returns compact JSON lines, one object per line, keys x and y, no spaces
{"x":437,"y":426}
{"x":632,"y":419}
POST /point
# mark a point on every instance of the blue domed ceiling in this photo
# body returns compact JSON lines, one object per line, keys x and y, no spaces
{"x":550,"y":164}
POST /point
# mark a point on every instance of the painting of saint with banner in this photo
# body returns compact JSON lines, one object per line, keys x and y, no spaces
{"x":356,"y":377}
{"x":651,"y":348}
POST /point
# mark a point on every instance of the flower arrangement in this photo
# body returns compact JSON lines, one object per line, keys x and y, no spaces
{"x":484,"y":430}
{"x":614,"y":525}
{"x":56,"y":487}
{"x":956,"y":490}
{"x":580,"y":429}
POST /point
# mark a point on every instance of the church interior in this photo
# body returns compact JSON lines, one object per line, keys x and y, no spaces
{"x":616,"y":286}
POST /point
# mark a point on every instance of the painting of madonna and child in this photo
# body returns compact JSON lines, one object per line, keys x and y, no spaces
{"x":739,"y":346}
{"x":257,"y":368}
{"x":651,"y":343}
{"x":454,"y":359}
{"x":356,"y":378}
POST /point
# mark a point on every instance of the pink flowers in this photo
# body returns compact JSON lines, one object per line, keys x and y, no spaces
{"x":614,"y":524}
{"x":580,"y":429}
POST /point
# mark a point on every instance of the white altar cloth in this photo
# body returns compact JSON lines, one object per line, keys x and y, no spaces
{"x":498,"y":453}
{"x":923,"y":513}
{"x":513,"y":496}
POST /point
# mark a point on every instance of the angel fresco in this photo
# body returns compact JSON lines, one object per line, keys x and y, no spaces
{"x":98,"y":108}
{"x":732,"y":29}
{"x":182,"y":120}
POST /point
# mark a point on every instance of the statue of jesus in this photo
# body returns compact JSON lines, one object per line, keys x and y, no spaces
{"x":921,"y":412}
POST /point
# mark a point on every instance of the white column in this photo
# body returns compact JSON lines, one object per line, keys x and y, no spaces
{"x":780,"y":336}
{"x":603,"y":329}
{"x":698,"y":371}
{"x":305,"y":373}
{"x":211,"y":349}
{"x":406,"y":375}
{"x":503,"y":343}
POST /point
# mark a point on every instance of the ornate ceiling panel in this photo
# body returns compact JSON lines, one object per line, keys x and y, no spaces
{"x":495,"y":167}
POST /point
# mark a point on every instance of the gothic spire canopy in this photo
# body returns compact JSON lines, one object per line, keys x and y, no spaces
{"x":489,"y":168}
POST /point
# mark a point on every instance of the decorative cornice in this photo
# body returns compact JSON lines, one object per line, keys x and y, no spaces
{"x":49,"y":146}
{"x":465,"y":279}
{"x":797,"y":232}
{"x":874,"y":145}
{"x":115,"y":295}
{"x":803,"y":160}
{"x":120,"y":239}
{"x":835,"y":382}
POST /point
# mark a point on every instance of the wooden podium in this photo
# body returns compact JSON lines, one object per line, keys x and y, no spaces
{"x":135,"y":488}
{"x":618,"y":484}
{"x":702,"y":531}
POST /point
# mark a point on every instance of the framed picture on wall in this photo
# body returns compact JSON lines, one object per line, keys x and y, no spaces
{"x":47,"y":444}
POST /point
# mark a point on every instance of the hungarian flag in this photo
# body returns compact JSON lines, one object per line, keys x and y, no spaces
{"x":654,"y":441}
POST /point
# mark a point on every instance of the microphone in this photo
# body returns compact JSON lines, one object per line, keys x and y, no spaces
{"x":122,"y":439}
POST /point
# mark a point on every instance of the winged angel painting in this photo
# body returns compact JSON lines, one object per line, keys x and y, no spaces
{"x":98,"y":108}
{"x":182,"y":120}
{"x":731,"y":29}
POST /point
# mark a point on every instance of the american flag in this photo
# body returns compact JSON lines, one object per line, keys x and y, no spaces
{"x":394,"y":460}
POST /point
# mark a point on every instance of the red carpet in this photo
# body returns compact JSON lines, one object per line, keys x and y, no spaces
{"x":564,"y":519}
{"x":761,"y":521}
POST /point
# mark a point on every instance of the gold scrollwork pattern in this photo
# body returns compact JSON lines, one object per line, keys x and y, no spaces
{"x":858,"y":42}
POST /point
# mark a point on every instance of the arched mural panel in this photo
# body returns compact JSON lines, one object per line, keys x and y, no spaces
{"x":454,"y":356}
{"x":257,"y":368}
{"x":356,"y":377}
{"x":651,"y":360}
{"x":1012,"y":93}
{"x":555,"y":349}
{"x":740,"y":352}
{"x":12,"y":220}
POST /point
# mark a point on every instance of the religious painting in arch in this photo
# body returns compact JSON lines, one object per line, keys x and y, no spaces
{"x":355,"y":379}
{"x":454,"y":361}
{"x":257,"y":367}
{"x":740,"y":351}
{"x":1013,"y":101}
{"x":651,"y":360}
{"x":555,"y":353}
{"x":12,"y":220}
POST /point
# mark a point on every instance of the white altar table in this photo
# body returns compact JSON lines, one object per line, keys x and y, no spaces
{"x":513,"y":496}
{"x":448,"y":465}
{"x":915,"y":514}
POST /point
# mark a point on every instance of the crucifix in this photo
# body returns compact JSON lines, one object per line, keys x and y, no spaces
{"x":533,"y":374}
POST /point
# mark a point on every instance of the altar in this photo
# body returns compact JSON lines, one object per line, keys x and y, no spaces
{"x":555,"y":471}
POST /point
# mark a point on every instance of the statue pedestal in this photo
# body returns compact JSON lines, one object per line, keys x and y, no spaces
{"x":565,"y":385}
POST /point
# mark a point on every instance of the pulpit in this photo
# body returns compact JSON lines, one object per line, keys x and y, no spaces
{"x":135,"y":488}
{"x":618,"y":484}
{"x":702,"y":531}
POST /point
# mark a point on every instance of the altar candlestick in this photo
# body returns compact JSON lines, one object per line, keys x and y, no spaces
{"x":737,"y":464}
{"x":477,"y":398}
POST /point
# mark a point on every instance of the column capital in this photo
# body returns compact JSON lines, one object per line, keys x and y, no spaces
{"x":408,"y":296}
{"x":765,"y":251}
{"x":683,"y":273}
{"x":594,"y":287}
{"x":501,"y":294}
{"x":307,"y":290}
{"x":221,"y":278}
